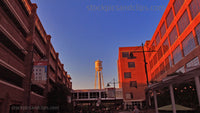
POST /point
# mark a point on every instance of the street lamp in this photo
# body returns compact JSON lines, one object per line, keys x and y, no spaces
{"x":108,"y":85}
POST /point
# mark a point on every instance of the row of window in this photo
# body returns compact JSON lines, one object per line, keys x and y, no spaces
{"x":182,"y":23}
{"x":128,"y":55}
{"x":188,"y":44}
{"x":194,"y":62}
{"x":168,"y":63}
{"x":84,"y":95}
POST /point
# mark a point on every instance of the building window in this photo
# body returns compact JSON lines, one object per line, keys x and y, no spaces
{"x":160,"y":53}
{"x":151,"y":64}
{"x":194,"y":8}
{"x":125,"y":54}
{"x":103,"y":95}
{"x":177,"y":55}
{"x":74,"y":95}
{"x":83,"y":95}
{"x":165,"y":46}
{"x":157,"y":72}
{"x":193,"y":62}
{"x":155,"y":59}
{"x":131,"y":64}
{"x":188,"y":44}
{"x":133,"y":84}
{"x":162,"y":30}
{"x":177,"y":5}
{"x":183,"y":22}
{"x":169,"y":18}
{"x":182,"y":70}
{"x":153,"y":45}
{"x":131,"y":56}
{"x":170,"y":61}
{"x":152,"y":75}
{"x":173,"y":35}
{"x":127,"y":74}
{"x":94,"y":94}
{"x":162,"y":68}
{"x":129,"y":95}
{"x":157,"y":39}
{"x":197,"y":30}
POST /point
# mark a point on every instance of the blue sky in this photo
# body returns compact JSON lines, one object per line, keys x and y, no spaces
{"x":86,"y":30}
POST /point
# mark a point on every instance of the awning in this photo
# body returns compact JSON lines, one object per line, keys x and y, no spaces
{"x":178,"y":108}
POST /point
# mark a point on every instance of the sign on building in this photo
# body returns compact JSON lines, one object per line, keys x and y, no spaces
{"x":39,"y":72}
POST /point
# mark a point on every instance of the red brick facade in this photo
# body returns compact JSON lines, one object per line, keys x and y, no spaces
{"x":23,"y":42}
{"x":176,"y":46}
{"x":131,"y":75}
{"x":176,"y":40}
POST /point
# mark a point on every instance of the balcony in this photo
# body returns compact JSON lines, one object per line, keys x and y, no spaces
{"x":10,"y":59}
{"x":38,"y":42}
{"x":11,"y":32}
{"x":52,"y":63}
{"x":17,"y":10}
{"x":59,"y":73}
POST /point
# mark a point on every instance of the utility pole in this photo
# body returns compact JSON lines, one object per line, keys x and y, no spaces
{"x":108,"y":84}
{"x":115,"y":91}
{"x":145,"y":65}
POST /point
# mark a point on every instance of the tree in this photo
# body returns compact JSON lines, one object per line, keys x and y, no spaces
{"x":57,"y":98}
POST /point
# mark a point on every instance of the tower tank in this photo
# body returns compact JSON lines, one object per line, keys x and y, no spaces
{"x":98,"y":75}
{"x":98,"y":65}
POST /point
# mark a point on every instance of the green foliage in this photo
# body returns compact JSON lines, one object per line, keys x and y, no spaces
{"x":57,"y":98}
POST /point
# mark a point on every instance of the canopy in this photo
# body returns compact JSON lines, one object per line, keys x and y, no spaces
{"x":178,"y":108}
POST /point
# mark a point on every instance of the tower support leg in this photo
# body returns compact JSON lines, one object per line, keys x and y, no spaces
{"x":99,"y":79}
{"x":95,"y":82}
{"x":102,"y":79}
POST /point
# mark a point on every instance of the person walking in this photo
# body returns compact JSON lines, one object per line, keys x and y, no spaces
{"x":136,"y":110}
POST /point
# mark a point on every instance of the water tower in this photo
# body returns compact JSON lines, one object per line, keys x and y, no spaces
{"x":98,"y":68}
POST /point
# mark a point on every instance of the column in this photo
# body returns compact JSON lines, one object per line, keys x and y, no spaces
{"x":77,"y":95}
{"x":47,"y":86}
{"x":197,"y":88}
{"x":29,"y":59}
{"x":88,"y":95}
{"x":172,"y":98}
{"x":155,"y":101}
{"x":6,"y":104}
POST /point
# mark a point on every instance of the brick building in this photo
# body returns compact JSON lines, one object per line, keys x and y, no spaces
{"x":131,"y":75}
{"x":94,"y":98}
{"x":175,"y":42}
{"x":24,"y":42}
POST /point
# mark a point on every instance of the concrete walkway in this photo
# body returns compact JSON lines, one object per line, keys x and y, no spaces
{"x":125,"y":112}
{"x":142,"y":111}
